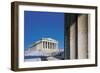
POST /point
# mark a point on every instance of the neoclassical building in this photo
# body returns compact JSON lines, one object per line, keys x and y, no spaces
{"x":45,"y":43}
{"x":47,"y":46}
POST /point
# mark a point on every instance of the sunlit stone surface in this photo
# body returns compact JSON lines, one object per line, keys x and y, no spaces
{"x":82,"y":37}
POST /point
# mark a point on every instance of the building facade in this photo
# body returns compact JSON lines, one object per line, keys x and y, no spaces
{"x":47,"y":46}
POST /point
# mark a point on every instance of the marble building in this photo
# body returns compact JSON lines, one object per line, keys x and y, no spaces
{"x":47,"y":45}
{"x":46,"y":48}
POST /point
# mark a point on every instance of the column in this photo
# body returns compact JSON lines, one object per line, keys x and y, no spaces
{"x":70,"y":37}
{"x":45,"y":44}
{"x":48,"y":45}
{"x":51,"y":45}
{"x":54,"y":45}
{"x":73,"y":36}
{"x":82,"y":36}
{"x":42,"y":44}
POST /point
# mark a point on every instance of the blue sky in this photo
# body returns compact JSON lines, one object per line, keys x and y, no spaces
{"x":43,"y":24}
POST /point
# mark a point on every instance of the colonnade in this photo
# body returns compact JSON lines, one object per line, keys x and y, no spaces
{"x":76,"y":36}
{"x":49,"y":45}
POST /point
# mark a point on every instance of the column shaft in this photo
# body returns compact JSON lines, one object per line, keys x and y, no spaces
{"x":82,"y":36}
{"x":73,"y":36}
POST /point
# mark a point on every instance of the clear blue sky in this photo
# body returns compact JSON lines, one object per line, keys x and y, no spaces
{"x":43,"y":24}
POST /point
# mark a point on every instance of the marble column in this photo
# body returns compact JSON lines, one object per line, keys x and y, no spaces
{"x":67,"y":36}
{"x":48,"y":45}
{"x":70,"y":36}
{"x":73,"y":36}
{"x":82,"y":36}
{"x":52,"y":45}
{"x":42,"y":44}
{"x":45,"y":44}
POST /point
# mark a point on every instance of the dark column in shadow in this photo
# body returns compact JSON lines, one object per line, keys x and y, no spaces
{"x":67,"y":36}
{"x":70,"y":20}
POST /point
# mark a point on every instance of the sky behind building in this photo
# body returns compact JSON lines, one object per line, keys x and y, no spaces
{"x":39,"y":25}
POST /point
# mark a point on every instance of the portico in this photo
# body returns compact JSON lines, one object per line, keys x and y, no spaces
{"x":48,"y":43}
